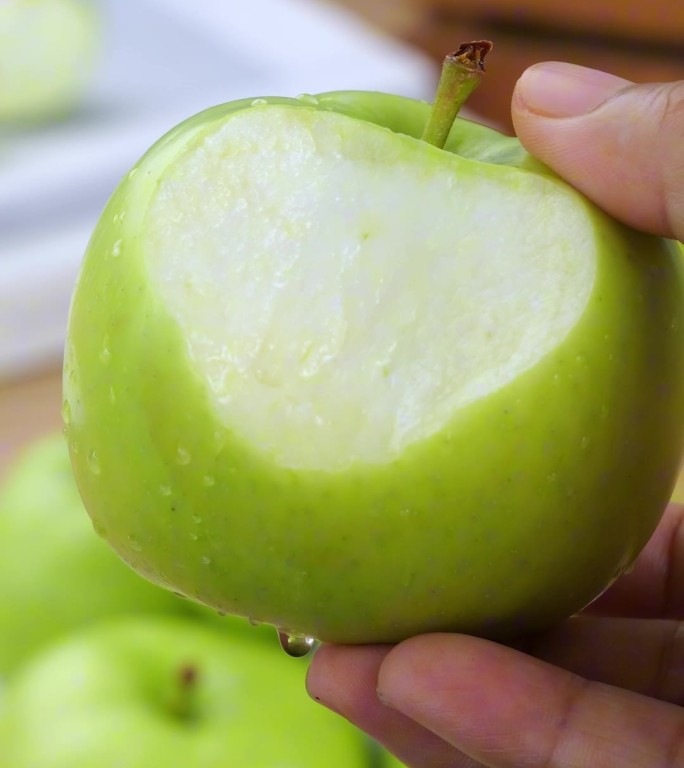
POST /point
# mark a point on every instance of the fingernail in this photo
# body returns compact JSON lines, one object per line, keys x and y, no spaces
{"x":557,"y":89}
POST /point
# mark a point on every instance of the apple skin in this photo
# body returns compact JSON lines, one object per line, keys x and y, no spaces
{"x":517,"y":514}
{"x":47,"y":53}
{"x":110,"y":696}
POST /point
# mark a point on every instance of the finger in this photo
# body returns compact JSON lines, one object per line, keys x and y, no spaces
{"x":655,"y":586}
{"x":344,"y":679}
{"x":619,"y":143}
{"x":507,"y":710}
{"x":640,"y":655}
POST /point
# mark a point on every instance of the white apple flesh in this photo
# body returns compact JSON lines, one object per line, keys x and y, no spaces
{"x":334,"y":319}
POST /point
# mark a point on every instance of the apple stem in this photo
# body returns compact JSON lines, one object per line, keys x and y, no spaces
{"x":461,"y":74}
{"x":183,"y":704}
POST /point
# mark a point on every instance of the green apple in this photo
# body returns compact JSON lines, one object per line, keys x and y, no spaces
{"x":47,"y":51}
{"x":166,"y":691}
{"x":325,"y":373}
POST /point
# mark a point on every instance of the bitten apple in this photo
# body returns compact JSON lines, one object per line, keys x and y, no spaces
{"x":340,"y":367}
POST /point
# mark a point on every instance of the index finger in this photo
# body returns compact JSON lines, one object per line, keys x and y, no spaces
{"x":507,"y":710}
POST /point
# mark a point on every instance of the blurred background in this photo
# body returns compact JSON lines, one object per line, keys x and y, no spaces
{"x":641,"y":40}
{"x":143,"y":65}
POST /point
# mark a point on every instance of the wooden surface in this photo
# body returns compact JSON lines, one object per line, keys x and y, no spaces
{"x":641,"y":41}
{"x":29,"y":408}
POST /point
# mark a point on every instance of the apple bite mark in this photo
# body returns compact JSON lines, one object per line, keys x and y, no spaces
{"x":345,"y":290}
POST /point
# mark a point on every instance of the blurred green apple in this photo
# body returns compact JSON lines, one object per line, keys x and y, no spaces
{"x":47,"y":52}
{"x":166,"y":691}
{"x":326,"y":373}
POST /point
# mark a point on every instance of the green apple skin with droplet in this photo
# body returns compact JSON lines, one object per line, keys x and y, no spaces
{"x":323,"y":374}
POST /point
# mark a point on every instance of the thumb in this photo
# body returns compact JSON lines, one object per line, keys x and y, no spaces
{"x":621,"y":144}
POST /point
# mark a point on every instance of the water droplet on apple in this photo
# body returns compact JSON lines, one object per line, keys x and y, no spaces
{"x":116,"y":250}
{"x":209,"y":481}
{"x":66,"y":413}
{"x":257,"y":102}
{"x":105,"y":352}
{"x":100,"y":530}
{"x":194,"y":537}
{"x":165,"y":490}
{"x":196,"y":519}
{"x":93,"y":462}
{"x":132,"y":173}
{"x":408,"y":580}
{"x":112,"y":395}
{"x":136,"y":546}
{"x":405,"y":512}
{"x":295,"y":645}
{"x":586,"y":442}
{"x":221,"y":613}
{"x":308,"y":98}
{"x":206,"y":560}
{"x":183,"y":456}
{"x":253,"y":622}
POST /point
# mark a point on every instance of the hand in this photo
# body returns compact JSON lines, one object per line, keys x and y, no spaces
{"x":604,"y":689}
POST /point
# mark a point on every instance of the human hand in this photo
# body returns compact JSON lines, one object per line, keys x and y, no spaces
{"x":604,"y":689}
